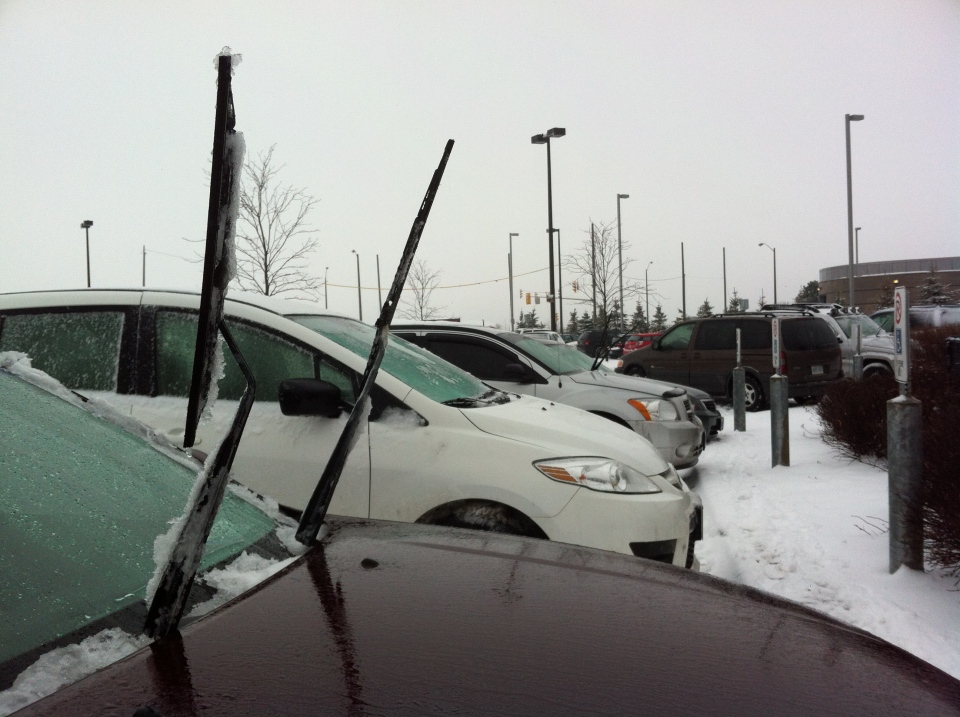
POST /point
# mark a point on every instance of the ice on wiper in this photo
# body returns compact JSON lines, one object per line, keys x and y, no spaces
{"x":235,"y":58}
{"x":400,"y":418}
{"x":66,"y":665}
{"x":245,"y":572}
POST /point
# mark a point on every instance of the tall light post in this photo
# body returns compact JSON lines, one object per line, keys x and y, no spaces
{"x":359,"y":299}
{"x":620,"y":256}
{"x":510,"y":270}
{"x":774,"y":269}
{"x":86,"y":224}
{"x":847,"y":120}
{"x":646,"y":284}
{"x":545,"y":139}
{"x":857,"y":242}
{"x":560,"y":278}
{"x":326,"y":303}
{"x":379,"y":295}
{"x":144,"y":265}
{"x":593,"y":269}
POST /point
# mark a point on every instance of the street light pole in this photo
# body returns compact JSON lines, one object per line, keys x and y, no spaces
{"x":857,"y":242}
{"x":379,"y":295}
{"x":86,"y":224}
{"x":620,"y":256}
{"x":560,"y":278}
{"x":850,"y":295}
{"x":545,"y":139}
{"x":144,"y":265}
{"x":326,"y":304}
{"x":774,"y":269}
{"x":646,"y":284}
{"x":593,"y":269}
{"x":359,"y":298}
{"x":510,"y":270}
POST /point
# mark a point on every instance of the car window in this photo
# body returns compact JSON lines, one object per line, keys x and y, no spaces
{"x":270,"y":358}
{"x":83,"y":502}
{"x":717,"y":335}
{"x":677,"y":338}
{"x":435,"y":378}
{"x":81,"y":349}
{"x":558,"y":357}
{"x":755,"y":334}
{"x":885,"y":321}
{"x":475,"y":356}
{"x":868,"y":327}
{"x":807,"y":335}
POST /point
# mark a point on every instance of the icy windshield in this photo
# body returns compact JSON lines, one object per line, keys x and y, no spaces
{"x":557,"y":357}
{"x":868,"y":327}
{"x":423,"y":371}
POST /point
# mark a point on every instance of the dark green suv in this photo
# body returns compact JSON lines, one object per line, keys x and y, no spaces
{"x":703,"y":353}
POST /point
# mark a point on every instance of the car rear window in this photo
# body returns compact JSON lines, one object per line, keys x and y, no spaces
{"x":807,"y":335}
{"x":717,"y":336}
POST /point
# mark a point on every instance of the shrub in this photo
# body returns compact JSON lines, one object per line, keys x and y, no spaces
{"x":855,"y":421}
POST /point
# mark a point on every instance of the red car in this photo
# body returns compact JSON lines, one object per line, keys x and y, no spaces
{"x":638,"y":341}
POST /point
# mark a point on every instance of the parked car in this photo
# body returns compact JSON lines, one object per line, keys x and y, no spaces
{"x":876,"y":345}
{"x":514,"y":362}
{"x":594,"y":342}
{"x":630,"y":342}
{"x":543,"y":335}
{"x":377,"y":614}
{"x":702,"y":353}
{"x":922,"y":315}
{"x":440,"y":446}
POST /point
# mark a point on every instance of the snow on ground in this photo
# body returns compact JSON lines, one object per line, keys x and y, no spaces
{"x":816,"y":533}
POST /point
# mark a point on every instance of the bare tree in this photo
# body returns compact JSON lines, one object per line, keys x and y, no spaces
{"x":274,"y":238}
{"x":596,"y":264}
{"x":421,"y":283}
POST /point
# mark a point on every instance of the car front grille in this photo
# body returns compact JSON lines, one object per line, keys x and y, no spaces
{"x":709,"y":405}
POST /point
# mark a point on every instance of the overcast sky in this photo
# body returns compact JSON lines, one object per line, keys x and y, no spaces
{"x":723,"y":121}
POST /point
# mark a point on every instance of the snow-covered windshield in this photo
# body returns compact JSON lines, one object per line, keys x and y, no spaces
{"x":868,"y":327}
{"x":559,"y":358}
{"x":421,"y":370}
{"x":83,"y":501}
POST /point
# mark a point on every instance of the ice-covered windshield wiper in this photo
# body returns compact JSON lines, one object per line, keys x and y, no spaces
{"x":489,"y":398}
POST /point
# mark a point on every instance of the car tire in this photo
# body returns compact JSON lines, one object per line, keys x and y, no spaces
{"x":635,"y":370}
{"x":482,"y":515}
{"x":753,"y":394}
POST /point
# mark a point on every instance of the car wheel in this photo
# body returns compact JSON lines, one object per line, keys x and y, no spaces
{"x":635,"y":370}
{"x":753,"y":394}
{"x":481,"y":515}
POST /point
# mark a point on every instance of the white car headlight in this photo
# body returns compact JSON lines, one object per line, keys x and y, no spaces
{"x":655,"y":409}
{"x":603,"y":474}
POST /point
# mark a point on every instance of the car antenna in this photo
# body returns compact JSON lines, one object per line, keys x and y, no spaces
{"x":316,"y":510}
{"x":177,"y":574}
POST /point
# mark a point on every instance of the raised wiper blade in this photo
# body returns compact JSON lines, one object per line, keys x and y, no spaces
{"x":463,"y":402}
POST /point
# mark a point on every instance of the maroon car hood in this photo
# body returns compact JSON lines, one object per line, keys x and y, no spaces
{"x":389,"y":618}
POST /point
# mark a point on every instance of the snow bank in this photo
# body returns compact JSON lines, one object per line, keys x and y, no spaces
{"x":68,"y":664}
{"x":816,"y":532}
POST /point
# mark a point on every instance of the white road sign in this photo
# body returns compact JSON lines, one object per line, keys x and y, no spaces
{"x":901,"y":335}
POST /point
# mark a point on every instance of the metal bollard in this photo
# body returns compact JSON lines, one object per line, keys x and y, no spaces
{"x":739,"y":399}
{"x":905,"y":476}
{"x":779,"y":421}
{"x":855,"y":337}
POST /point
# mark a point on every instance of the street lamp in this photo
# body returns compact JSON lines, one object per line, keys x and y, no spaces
{"x":620,"y":255}
{"x":379,"y":294}
{"x":545,"y":139}
{"x":774,"y":269}
{"x":86,"y":224}
{"x":510,"y":270}
{"x":326,"y":304}
{"x":857,"y":242}
{"x":359,"y":299}
{"x":646,"y":283}
{"x":847,"y":120}
{"x":560,"y":278}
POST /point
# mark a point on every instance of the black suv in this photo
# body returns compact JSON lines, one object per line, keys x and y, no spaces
{"x":593,"y":342}
{"x":703,"y":353}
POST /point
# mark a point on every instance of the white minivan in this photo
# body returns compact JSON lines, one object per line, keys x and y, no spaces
{"x":439,"y":447}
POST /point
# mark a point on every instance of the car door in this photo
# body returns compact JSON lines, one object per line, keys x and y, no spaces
{"x":670,"y":361}
{"x":280,"y":456}
{"x":484,"y":358}
{"x":714,"y":355}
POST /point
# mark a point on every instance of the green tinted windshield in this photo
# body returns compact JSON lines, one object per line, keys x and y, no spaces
{"x":557,"y":357}
{"x":430,"y":375}
{"x":868,"y":327}
{"x":83,"y":502}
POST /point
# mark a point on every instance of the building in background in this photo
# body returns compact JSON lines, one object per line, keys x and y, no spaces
{"x":875,"y":280}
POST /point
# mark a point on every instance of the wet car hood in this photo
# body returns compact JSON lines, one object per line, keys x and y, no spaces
{"x":635,"y":384}
{"x":388,"y":618}
{"x":565,"y":431}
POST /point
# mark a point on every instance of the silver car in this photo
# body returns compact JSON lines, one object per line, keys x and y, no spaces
{"x":515,"y":362}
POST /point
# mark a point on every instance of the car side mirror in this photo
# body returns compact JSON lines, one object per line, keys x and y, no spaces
{"x":309,"y":397}
{"x":655,"y":345}
{"x":839,"y":339}
{"x":517,"y":372}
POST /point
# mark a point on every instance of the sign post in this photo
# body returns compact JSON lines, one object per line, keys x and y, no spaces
{"x":739,"y":393}
{"x":904,"y":450}
{"x":779,"y":397}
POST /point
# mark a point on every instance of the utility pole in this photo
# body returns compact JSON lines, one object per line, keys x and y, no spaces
{"x":683,"y":281}
{"x":593,"y":269}
{"x":379,"y":295}
{"x":326,"y":304}
{"x":510,"y":270}
{"x":144,"y":265}
{"x":560,"y":278}
{"x":725,"y":302}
